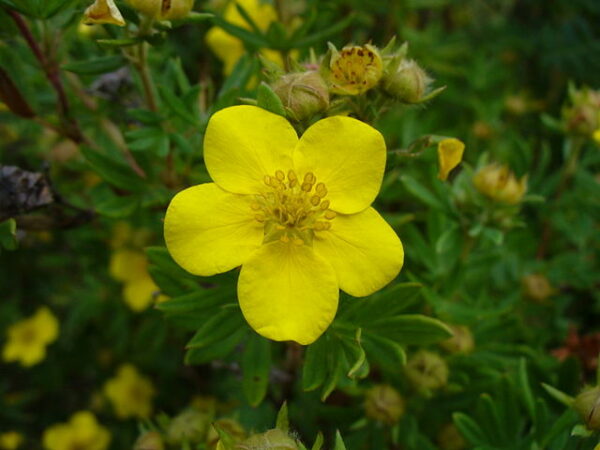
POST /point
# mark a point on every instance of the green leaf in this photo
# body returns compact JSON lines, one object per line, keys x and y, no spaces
{"x":314,"y":371}
{"x":339,"y":442}
{"x":321,"y":36}
{"x":217,"y":350}
{"x":390,"y":301}
{"x":385,"y":352}
{"x":410,"y":329}
{"x":114,"y":171}
{"x":108,"y":204}
{"x":222,"y":324}
{"x":356,"y":357}
{"x":95,"y":66}
{"x":8,"y":234}
{"x":318,"y":445}
{"x":256,"y":365}
{"x":526,"y":394}
{"x":560,"y":396}
{"x":125,"y":42}
{"x":283,"y":422}
{"x":421,"y":192}
{"x":177,"y":106}
{"x":269,"y":100}
{"x":469,"y":429}
{"x":200,"y":301}
{"x":252,"y":39}
{"x":166,"y":273}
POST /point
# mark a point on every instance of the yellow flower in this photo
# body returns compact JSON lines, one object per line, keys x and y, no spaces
{"x":500,"y":184}
{"x":27,"y":339}
{"x":596,"y":136}
{"x":131,"y":267}
{"x":163,"y":9}
{"x":130,"y":393}
{"x":11,"y":440}
{"x":82,"y":432}
{"x":355,"y":69}
{"x":103,"y":11}
{"x":450,"y":153}
{"x":230,"y":49}
{"x":295,"y":212}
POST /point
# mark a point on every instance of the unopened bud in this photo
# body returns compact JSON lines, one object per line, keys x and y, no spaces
{"x":500,"y":184}
{"x":270,"y":440}
{"x":537,"y":287}
{"x":103,"y":11}
{"x":191,"y":425}
{"x":408,"y":83}
{"x":587,"y":404}
{"x":450,"y":153}
{"x":426,"y":371}
{"x":461,"y":340}
{"x":384,"y":404}
{"x":303,"y":94}
{"x":163,"y":9}
{"x":230,"y":426}
{"x":354,"y":69}
{"x":449,"y":438}
{"x":150,"y":440}
{"x":582,"y":115}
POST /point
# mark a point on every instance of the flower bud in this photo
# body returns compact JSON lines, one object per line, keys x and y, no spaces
{"x":190,"y":425}
{"x":103,"y":11}
{"x":274,"y":439}
{"x":536,"y":287}
{"x":449,"y":438}
{"x":354,"y":69}
{"x":406,"y":82}
{"x":587,"y":404}
{"x":426,"y":371}
{"x":150,"y":440}
{"x":500,"y":184}
{"x":230,"y":426}
{"x":461,"y":340}
{"x":384,"y":404}
{"x":163,"y":9}
{"x":582,"y":116}
{"x":303,"y":94}
{"x":450,"y":153}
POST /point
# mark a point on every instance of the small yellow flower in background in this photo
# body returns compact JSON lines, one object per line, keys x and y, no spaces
{"x":82,"y":432}
{"x":500,"y":184}
{"x":131,"y":267}
{"x":11,"y":440}
{"x":103,"y":11}
{"x":295,"y":213}
{"x":27,"y":339}
{"x":163,"y":9}
{"x":384,"y":404}
{"x":537,"y":287}
{"x":230,"y":49}
{"x":355,"y":69}
{"x":130,"y":393}
{"x":450,"y":153}
{"x":596,"y":136}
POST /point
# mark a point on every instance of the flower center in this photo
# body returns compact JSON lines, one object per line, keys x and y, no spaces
{"x":357,"y":68}
{"x":293,"y":210}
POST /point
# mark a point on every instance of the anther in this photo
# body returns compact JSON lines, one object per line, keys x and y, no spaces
{"x":255,"y":206}
{"x":267,"y":180}
{"x":260,"y":217}
{"x":321,"y":190}
{"x":292,"y":176}
{"x":330,"y":215}
{"x":284,"y":238}
{"x":309,"y":177}
{"x":315,"y":200}
{"x":306,"y":187}
{"x":280,"y":175}
{"x":298,"y":241}
{"x":324,"y":204}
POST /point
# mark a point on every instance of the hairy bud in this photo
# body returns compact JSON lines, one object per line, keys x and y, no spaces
{"x":303,"y":94}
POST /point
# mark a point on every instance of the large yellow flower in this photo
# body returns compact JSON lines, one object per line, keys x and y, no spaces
{"x":294,"y":212}
{"x":28,"y":339}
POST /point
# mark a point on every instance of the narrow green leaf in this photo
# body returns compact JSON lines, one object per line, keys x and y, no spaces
{"x":256,"y":364}
{"x":421,"y":192}
{"x":177,"y":106}
{"x":410,"y":329}
{"x":202,"y":300}
{"x":8,"y":234}
{"x":339,"y":442}
{"x":321,"y":36}
{"x":469,"y":429}
{"x":217,"y":350}
{"x":560,"y":396}
{"x":217,"y":328}
{"x":125,"y":42}
{"x":315,"y":364}
{"x":526,"y":394}
{"x":95,"y":66}
{"x":283,"y":422}
{"x":114,"y":171}
{"x":318,"y":445}
{"x":269,"y":100}
{"x":252,"y":39}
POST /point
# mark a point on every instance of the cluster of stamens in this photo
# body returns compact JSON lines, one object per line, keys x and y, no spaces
{"x":293,"y":209}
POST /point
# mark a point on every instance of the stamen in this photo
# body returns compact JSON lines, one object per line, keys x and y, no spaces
{"x":324,"y":204}
{"x":321,"y":190}
{"x":267,"y":180}
{"x":306,"y":187}
{"x":330,"y":215}
{"x":315,"y":200}
{"x":280,"y":175}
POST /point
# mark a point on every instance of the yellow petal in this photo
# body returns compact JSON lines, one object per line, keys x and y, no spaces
{"x":348,"y":156}
{"x":450,"y":153}
{"x":288,"y":293}
{"x":127,"y":265}
{"x":32,"y":354}
{"x":364,"y":251}
{"x":209,"y":230}
{"x":242,"y":144}
{"x":46,"y":325}
{"x":596,"y":136}
{"x":103,"y":11}
{"x":260,"y":12}
{"x":139,"y":293}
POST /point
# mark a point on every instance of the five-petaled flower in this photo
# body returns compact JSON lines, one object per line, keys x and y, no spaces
{"x":27,"y":339}
{"x":295,"y":213}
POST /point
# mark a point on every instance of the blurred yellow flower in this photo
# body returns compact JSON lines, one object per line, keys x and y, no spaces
{"x":230,"y":49}
{"x":130,"y":393}
{"x":163,"y":9}
{"x":131,"y":267}
{"x":11,"y":440}
{"x":103,"y":11}
{"x":82,"y":432}
{"x":355,"y":69}
{"x":27,"y":339}
{"x":295,"y":212}
{"x":596,"y":136}
{"x":450,"y":153}
{"x":500,"y":184}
